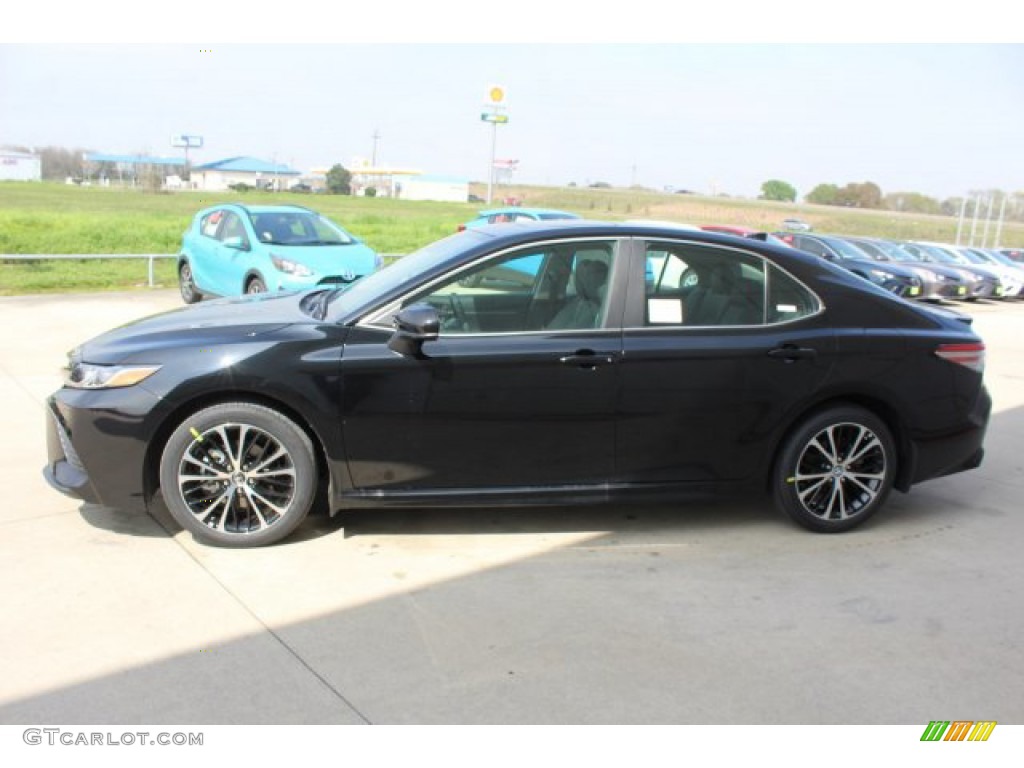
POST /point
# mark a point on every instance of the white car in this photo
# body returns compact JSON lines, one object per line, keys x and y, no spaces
{"x":796,"y":225}
{"x":1011,"y":275}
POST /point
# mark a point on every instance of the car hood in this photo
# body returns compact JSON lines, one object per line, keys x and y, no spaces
{"x":329,"y":259}
{"x":224,"y":321}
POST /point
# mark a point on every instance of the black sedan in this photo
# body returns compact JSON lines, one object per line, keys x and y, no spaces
{"x":546,"y":364}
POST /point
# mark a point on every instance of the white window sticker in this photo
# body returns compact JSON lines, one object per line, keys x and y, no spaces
{"x":665,"y":311}
{"x":784,"y":308}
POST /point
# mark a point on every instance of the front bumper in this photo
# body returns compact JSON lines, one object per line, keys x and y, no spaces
{"x":96,"y":444}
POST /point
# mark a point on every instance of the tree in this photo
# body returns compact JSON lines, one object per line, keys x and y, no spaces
{"x":775,"y":189}
{"x":912,"y":202}
{"x":823,"y":194}
{"x":866,"y":195}
{"x":339,"y":180}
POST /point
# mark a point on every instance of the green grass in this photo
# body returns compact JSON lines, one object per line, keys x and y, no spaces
{"x":53,"y":218}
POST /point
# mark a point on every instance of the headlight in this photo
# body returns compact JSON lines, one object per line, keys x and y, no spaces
{"x":290,"y":267}
{"x":90,"y":376}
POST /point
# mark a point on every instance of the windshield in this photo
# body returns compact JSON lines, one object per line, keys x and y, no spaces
{"x":892,"y":250}
{"x":297,"y":228}
{"x":844,"y":249}
{"x":870,"y":249}
{"x":369,"y":289}
{"x":1002,"y":259}
{"x":936,"y":254}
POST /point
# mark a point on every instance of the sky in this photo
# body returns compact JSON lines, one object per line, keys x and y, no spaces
{"x":940,"y":119}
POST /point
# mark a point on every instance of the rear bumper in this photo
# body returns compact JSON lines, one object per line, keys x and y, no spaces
{"x":951,"y":453}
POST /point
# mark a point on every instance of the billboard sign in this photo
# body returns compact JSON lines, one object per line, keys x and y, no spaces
{"x":186,"y":142}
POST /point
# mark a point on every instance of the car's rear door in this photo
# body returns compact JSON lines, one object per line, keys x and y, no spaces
{"x":720,"y":347}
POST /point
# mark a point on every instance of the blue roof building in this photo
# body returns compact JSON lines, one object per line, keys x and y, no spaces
{"x":220,"y":175}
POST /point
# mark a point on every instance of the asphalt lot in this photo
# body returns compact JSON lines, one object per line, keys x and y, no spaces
{"x":716,"y":613}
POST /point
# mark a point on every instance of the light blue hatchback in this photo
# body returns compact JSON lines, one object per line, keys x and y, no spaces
{"x":233,"y":249}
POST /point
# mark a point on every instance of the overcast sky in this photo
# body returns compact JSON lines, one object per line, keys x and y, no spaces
{"x":938,"y":119}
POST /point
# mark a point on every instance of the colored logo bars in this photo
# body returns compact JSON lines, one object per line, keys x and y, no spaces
{"x":958,"y":730}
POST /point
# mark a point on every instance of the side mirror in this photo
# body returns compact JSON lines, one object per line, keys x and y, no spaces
{"x":413,"y":326}
{"x":236,"y":243}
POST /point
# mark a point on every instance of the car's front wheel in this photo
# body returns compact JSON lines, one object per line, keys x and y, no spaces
{"x":238,"y":475}
{"x":255,"y":285}
{"x":187,"y":284}
{"x":836,"y":469}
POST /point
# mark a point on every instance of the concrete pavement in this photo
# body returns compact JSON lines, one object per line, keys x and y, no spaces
{"x":704,"y":613}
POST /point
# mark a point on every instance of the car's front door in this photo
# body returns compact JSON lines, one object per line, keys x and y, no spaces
{"x":720,"y":346}
{"x":517,"y":391}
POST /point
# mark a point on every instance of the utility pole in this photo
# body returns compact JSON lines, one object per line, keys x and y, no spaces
{"x":376,"y":138}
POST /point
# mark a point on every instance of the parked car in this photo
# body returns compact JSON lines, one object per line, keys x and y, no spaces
{"x":756,"y":234}
{"x":983,"y":284}
{"x":796,"y":225}
{"x":892,"y":277}
{"x":421,"y":385}
{"x":233,"y":249}
{"x":937,"y":282}
{"x":1001,"y":258}
{"x":1011,"y":276}
{"x":514,"y":213}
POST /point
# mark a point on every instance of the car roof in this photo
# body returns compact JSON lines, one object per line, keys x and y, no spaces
{"x":520,"y":209}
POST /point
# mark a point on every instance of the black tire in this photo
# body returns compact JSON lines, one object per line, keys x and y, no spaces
{"x":255,"y":285}
{"x":187,"y":284}
{"x":238,"y":475}
{"x":835,"y":470}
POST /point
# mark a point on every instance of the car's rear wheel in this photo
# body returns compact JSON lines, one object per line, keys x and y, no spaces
{"x":835,"y":470}
{"x":255,"y":285}
{"x":187,"y":284}
{"x":238,"y":475}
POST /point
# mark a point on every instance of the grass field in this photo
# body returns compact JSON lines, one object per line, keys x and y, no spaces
{"x":55,"y":218}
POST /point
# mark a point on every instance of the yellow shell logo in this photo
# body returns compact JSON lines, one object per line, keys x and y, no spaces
{"x":497,"y":93}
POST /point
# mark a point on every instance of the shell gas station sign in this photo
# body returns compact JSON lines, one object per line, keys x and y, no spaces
{"x":494,"y":106}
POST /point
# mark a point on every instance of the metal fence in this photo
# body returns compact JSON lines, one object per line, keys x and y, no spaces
{"x":150,"y":257}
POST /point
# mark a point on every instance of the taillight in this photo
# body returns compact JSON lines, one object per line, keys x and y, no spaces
{"x":462,"y":228}
{"x":969,"y":355}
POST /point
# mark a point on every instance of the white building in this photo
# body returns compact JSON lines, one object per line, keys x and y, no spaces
{"x":446,"y":189}
{"x":19,"y":166}
{"x":222,"y":174}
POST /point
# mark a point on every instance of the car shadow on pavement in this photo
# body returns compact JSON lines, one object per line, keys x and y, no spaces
{"x":120,"y":521}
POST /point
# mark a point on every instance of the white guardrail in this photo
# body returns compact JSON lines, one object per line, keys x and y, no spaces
{"x":47,"y":256}
{"x":388,"y":257}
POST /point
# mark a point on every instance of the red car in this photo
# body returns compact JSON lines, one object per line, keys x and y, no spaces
{"x":756,"y":234}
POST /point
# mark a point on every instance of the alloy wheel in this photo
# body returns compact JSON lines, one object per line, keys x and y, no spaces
{"x":840,"y":472}
{"x":237,"y":479}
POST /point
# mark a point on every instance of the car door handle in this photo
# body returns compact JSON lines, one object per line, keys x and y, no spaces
{"x":791,"y":353}
{"x":587,"y":358}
